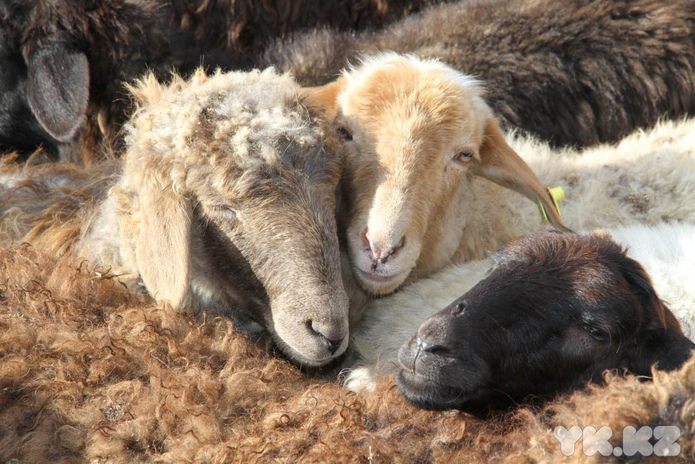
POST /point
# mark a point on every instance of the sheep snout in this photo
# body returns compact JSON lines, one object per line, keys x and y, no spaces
{"x":330,"y":336}
{"x":315,"y":339}
{"x":380,"y":252}
{"x":383,"y":253}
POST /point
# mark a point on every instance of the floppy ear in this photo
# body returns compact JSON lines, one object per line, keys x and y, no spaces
{"x":503,"y":166}
{"x":164,"y":244}
{"x":58,"y":89}
{"x":323,"y":100}
{"x":665,"y":346}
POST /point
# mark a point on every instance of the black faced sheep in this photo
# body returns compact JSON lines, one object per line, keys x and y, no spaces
{"x":576,"y":72}
{"x":225,"y":200}
{"x":553,"y":313}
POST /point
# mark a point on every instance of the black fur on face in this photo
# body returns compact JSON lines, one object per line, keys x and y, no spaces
{"x":555,"y":312}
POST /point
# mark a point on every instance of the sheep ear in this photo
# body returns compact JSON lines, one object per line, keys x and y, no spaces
{"x":666,"y":348}
{"x":164,"y":244}
{"x":58,"y":89}
{"x":500,"y":164}
{"x":324,"y":99}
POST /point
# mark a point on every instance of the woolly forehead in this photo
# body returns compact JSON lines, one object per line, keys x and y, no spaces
{"x":553,"y":248}
{"x":426,"y":98}
{"x":593,"y":269}
{"x":229,"y":124}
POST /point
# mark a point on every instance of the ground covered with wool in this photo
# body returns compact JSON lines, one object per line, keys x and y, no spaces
{"x":90,"y":374}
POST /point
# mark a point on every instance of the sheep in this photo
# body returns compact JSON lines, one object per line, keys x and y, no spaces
{"x":579,"y":300}
{"x":422,"y":145}
{"x":225,"y":201}
{"x":553,"y":314}
{"x":63,"y":68}
{"x":574,"y":73}
{"x":241,"y":30}
{"x":90,"y":374}
{"x":64,"y":64}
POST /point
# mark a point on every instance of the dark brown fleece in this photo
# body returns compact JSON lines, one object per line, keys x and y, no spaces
{"x":64,"y":63}
{"x":574,"y":72}
{"x":78,"y":54}
{"x":240,"y":29}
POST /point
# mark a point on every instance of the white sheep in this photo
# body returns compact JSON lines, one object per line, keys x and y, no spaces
{"x":422,"y":146}
{"x":223,"y":201}
{"x":665,"y":250}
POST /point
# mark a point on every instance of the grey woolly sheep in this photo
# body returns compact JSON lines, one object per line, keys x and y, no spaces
{"x":225,"y":201}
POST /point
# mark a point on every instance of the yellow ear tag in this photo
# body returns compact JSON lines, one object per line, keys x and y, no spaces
{"x":556,"y":194}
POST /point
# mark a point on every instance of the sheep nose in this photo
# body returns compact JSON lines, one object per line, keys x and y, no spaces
{"x":379,"y":253}
{"x":433,"y":348}
{"x":327,"y":335}
{"x":332,"y":345}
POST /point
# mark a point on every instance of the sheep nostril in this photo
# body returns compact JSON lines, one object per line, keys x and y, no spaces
{"x":460,"y":308}
{"x":365,"y":239}
{"x":332,"y":344}
{"x":401,"y":244}
{"x":432,"y":348}
{"x":381,"y":255}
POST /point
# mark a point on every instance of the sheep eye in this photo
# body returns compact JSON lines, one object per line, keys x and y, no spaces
{"x":344,"y":133}
{"x":460,"y":308}
{"x":463,"y":156}
{"x":224,"y":211}
{"x":596,"y":333}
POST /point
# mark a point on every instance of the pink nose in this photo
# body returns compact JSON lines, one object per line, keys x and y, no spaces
{"x":380,"y":253}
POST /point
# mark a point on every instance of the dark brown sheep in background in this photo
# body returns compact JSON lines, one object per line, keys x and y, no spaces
{"x":64,"y":63}
{"x":575,"y":72}
{"x":63,"y":68}
{"x":240,"y":29}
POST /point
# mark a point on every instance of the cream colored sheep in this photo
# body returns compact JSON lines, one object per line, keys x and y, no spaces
{"x":224,"y":201}
{"x":665,"y":250}
{"x":422,"y":142}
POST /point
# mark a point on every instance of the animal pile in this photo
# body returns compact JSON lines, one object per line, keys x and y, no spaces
{"x":246,"y":265}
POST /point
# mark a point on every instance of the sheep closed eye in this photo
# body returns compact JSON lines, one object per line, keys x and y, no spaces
{"x":344,"y":133}
{"x":224,"y":212}
{"x":596,"y":333}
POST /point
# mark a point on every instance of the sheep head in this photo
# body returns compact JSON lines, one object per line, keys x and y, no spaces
{"x":63,"y":65}
{"x":414,"y":131}
{"x":228,"y":203}
{"x":555,"y":312}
